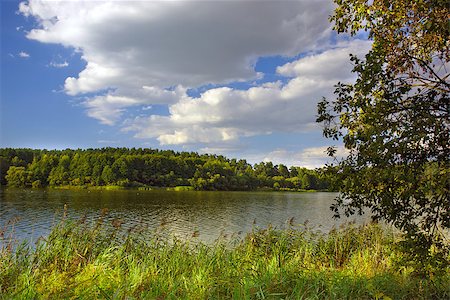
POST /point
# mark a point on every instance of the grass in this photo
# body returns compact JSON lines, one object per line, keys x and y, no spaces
{"x":100,"y":260}
{"x":84,"y":187}
{"x":181,"y":188}
{"x":175,"y":188}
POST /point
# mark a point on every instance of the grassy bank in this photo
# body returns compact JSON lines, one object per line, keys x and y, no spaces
{"x":101,"y":261}
{"x":175,"y":188}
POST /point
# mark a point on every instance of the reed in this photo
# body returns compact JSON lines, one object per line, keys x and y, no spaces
{"x":100,"y":260}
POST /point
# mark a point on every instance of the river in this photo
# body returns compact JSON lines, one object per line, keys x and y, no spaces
{"x":30,"y":213}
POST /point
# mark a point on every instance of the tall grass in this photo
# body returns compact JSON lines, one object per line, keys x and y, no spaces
{"x":99,"y":260}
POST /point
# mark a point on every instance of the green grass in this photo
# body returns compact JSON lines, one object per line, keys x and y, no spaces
{"x":99,"y":261}
{"x":84,"y":187}
{"x":180,"y":188}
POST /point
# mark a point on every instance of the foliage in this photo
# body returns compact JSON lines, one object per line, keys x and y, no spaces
{"x":99,"y":260}
{"x":147,"y":167}
{"x":395,"y":121}
{"x":17,"y":176}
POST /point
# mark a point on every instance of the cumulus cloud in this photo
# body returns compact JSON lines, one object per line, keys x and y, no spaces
{"x":142,"y":53}
{"x":335,"y":61}
{"x":169,"y":43}
{"x":313,"y":157}
{"x":109,"y":108}
{"x":23,"y":54}
{"x":132,"y":44}
{"x":225,"y":114}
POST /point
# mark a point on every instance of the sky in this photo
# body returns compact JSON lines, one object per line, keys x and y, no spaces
{"x":236,"y":78}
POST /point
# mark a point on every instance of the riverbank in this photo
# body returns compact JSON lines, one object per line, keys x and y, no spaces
{"x":100,"y":261}
{"x":175,"y":188}
{"x":149,"y":167}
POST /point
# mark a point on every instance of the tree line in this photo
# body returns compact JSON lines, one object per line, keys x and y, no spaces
{"x":148,"y":167}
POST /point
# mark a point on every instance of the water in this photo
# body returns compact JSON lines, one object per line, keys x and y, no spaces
{"x":31,"y":213}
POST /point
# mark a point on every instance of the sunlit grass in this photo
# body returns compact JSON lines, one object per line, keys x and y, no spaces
{"x":102,"y":261}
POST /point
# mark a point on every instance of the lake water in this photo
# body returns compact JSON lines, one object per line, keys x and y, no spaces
{"x":30,"y":213}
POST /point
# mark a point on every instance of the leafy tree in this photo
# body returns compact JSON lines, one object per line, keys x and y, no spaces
{"x":293,"y":172}
{"x":4,"y":166}
{"x":108,"y":175}
{"x":17,"y":176}
{"x":17,"y":162}
{"x":294,"y":182}
{"x":283,"y":171}
{"x":395,"y":121}
{"x":60,"y":175}
{"x":308,"y":181}
{"x":276,"y":186}
{"x":36,"y":184}
{"x":137,"y":167}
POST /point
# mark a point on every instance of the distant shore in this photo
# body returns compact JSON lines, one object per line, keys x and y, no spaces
{"x":181,"y":188}
{"x":114,"y":168}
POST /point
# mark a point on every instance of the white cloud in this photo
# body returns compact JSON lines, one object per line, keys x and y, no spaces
{"x":313,"y":157}
{"x":141,"y":53}
{"x":225,"y":114}
{"x":59,"y":65}
{"x":335,"y":61}
{"x":23,"y":54}
{"x":169,"y":43}
{"x":129,"y":45}
{"x":108,"y":142}
{"x":109,"y":108}
{"x":223,"y":149}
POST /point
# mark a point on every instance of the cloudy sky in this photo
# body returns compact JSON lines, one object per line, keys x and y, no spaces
{"x":238,"y":78}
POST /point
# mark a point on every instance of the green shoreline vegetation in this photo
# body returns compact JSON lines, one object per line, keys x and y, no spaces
{"x":115,"y":168}
{"x":180,"y":188}
{"x":100,"y":260}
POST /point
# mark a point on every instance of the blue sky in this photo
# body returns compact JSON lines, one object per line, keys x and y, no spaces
{"x":236,"y":78}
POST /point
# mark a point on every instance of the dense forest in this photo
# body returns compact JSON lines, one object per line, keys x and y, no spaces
{"x":148,"y":167}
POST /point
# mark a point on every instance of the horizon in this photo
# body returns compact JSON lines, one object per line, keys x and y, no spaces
{"x":160,"y":150}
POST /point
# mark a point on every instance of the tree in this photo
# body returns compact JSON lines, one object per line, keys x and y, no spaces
{"x":17,"y":176}
{"x":394,"y":120}
{"x":108,"y":175}
{"x":306,"y":182}
{"x":283,"y":171}
{"x":4,"y":166}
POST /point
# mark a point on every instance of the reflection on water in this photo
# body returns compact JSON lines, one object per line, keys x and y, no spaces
{"x":212,"y":214}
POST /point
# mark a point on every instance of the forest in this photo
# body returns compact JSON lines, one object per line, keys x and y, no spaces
{"x":133,"y":167}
